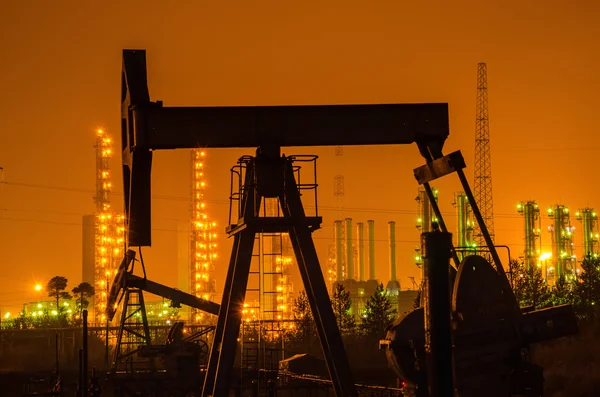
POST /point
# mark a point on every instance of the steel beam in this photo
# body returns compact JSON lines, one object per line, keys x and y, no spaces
{"x":304,"y":125}
{"x":222,"y":353}
{"x":148,"y":126}
{"x":316,"y":291}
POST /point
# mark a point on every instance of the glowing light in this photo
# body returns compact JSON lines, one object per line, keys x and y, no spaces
{"x":38,"y":287}
{"x":202,"y":236}
{"x":7,"y":315}
{"x":109,"y":232}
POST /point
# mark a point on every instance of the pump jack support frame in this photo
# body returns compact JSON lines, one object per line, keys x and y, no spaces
{"x":269,"y":175}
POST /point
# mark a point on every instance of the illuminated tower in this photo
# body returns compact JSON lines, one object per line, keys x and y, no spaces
{"x":203,"y":237}
{"x":562,"y":242}
{"x":108,"y":227}
{"x":425,"y":217}
{"x":465,"y":225}
{"x":533,"y":225}
{"x":483,"y":158}
{"x":589,"y":222}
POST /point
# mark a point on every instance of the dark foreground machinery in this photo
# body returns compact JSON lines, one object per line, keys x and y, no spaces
{"x":141,"y":366}
{"x":491,"y":335}
{"x":483,"y":334}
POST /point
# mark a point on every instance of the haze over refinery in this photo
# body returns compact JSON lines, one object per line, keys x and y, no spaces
{"x":60,"y":85}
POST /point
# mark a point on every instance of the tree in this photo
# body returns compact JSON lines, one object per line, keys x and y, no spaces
{"x":529,"y":286}
{"x":342,"y":308}
{"x":587,"y":290}
{"x":83,"y":291}
{"x":56,"y":289}
{"x":562,"y":292}
{"x":378,"y":313}
{"x":305,"y":323}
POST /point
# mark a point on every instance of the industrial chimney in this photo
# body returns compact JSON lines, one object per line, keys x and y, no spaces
{"x":371,"y":231}
{"x":349,"y":251}
{"x":393,"y":286}
{"x":361,"y":251}
{"x":337,"y":230}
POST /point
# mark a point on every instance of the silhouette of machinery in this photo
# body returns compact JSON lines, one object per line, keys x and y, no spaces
{"x":149,"y":126}
{"x":182,"y":356}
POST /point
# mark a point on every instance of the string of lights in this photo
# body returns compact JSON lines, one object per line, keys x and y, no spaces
{"x":203,"y":238}
{"x":109,"y":226}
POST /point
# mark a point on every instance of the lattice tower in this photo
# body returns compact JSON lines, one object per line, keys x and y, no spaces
{"x":483,"y":158}
{"x":109,"y":227}
{"x":203,"y":252}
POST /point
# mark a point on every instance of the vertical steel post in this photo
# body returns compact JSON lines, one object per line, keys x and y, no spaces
{"x":56,"y":352}
{"x":316,"y":290}
{"x":84,"y":366}
{"x":437,"y":251}
{"x":80,"y":378}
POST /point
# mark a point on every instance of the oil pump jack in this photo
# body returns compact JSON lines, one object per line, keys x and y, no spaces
{"x":182,"y":356}
{"x":149,"y":126}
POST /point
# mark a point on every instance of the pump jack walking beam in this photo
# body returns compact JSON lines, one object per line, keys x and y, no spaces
{"x":148,"y":126}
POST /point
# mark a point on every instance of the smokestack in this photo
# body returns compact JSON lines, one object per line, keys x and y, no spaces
{"x":349,"y":251}
{"x":361,"y":251}
{"x":337,"y":230}
{"x":371,"y":230}
{"x":392,"y":235}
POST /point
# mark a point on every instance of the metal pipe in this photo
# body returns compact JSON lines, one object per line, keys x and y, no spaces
{"x":337,"y":228}
{"x":392,"y":241}
{"x":85,"y":354}
{"x":437,"y":251}
{"x":349,"y":251}
{"x":371,"y":231}
{"x":361,"y":250}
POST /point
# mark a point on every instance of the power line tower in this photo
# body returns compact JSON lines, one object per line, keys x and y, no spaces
{"x":483,"y":158}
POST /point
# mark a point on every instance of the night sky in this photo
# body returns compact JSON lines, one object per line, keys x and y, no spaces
{"x":60,"y":80}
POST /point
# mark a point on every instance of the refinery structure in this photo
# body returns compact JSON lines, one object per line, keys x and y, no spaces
{"x":103,"y":231}
{"x":561,"y":261}
{"x":203,"y":246}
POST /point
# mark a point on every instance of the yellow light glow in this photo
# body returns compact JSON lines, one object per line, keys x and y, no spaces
{"x":38,"y":287}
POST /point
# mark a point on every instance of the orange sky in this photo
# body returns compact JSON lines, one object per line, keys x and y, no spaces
{"x":60,"y":79}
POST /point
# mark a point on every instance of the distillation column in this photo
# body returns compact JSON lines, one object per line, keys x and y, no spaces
{"x":589,"y":222}
{"x":425,"y":217}
{"x":531,"y":215}
{"x":465,"y":242}
{"x":562,"y":243}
